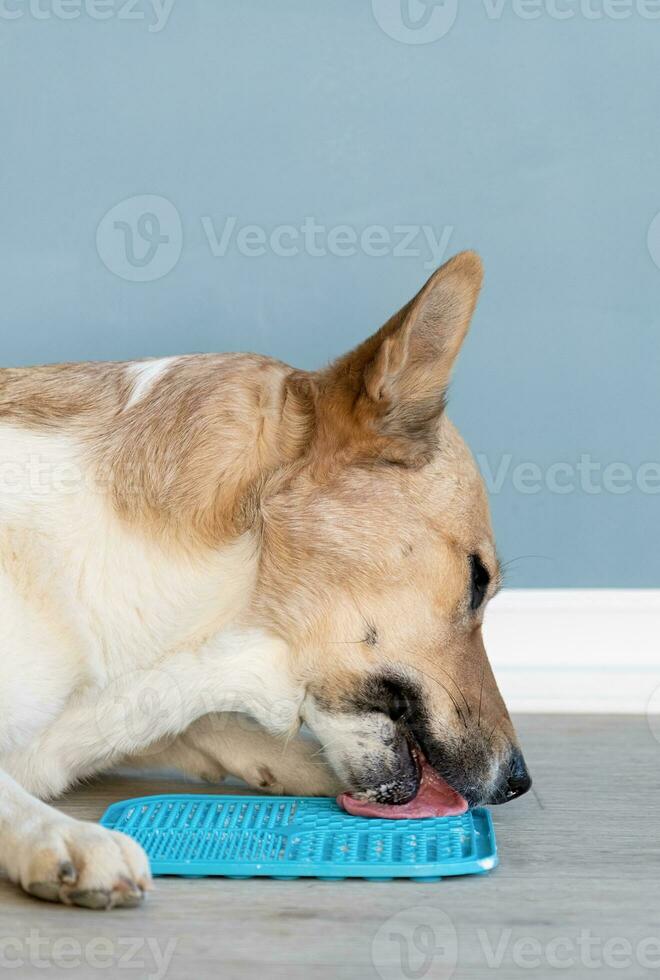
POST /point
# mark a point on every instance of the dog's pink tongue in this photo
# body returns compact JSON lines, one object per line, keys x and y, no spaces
{"x":435,"y":798}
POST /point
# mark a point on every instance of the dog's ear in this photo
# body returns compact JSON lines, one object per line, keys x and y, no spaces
{"x":394,"y":384}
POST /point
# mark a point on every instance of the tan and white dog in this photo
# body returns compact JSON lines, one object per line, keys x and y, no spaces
{"x":191,"y":541}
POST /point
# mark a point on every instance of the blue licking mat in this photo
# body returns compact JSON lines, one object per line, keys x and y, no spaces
{"x":289,"y":837}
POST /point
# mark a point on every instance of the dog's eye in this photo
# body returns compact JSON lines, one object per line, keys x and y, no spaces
{"x":480,"y":579}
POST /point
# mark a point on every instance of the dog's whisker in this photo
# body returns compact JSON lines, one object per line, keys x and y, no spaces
{"x":325,"y":745}
{"x":510,"y":561}
{"x":454,"y":682}
{"x":287,"y":742}
{"x":506,"y":565}
{"x":492,"y":731}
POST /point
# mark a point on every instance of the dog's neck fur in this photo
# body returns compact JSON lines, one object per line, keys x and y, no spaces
{"x":181,"y":446}
{"x":145,"y":500}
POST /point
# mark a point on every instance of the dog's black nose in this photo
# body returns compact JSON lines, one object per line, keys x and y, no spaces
{"x":518,"y":780}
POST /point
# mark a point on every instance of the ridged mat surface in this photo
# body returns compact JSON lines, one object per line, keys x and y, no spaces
{"x":289,"y":837}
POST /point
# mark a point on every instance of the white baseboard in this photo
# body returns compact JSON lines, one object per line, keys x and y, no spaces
{"x":576,"y":650}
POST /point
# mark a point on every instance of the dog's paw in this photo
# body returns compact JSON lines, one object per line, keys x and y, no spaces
{"x":79,"y":863}
{"x":297,"y":777}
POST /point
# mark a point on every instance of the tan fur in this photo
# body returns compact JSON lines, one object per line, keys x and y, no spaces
{"x":190,"y":455}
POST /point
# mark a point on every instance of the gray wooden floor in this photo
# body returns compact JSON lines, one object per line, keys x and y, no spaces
{"x":577,"y":892}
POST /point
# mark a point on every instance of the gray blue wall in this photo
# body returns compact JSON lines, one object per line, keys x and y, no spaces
{"x":534,"y":139}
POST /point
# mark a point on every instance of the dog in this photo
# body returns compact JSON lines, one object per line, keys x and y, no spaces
{"x":192,"y":542}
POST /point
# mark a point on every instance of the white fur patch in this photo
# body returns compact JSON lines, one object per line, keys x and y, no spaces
{"x":85,"y":598}
{"x":145,"y":375}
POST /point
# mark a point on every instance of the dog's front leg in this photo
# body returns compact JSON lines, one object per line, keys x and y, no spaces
{"x":244,"y":672}
{"x":60,"y":859}
{"x":218,"y":745}
{"x":293,"y":766}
